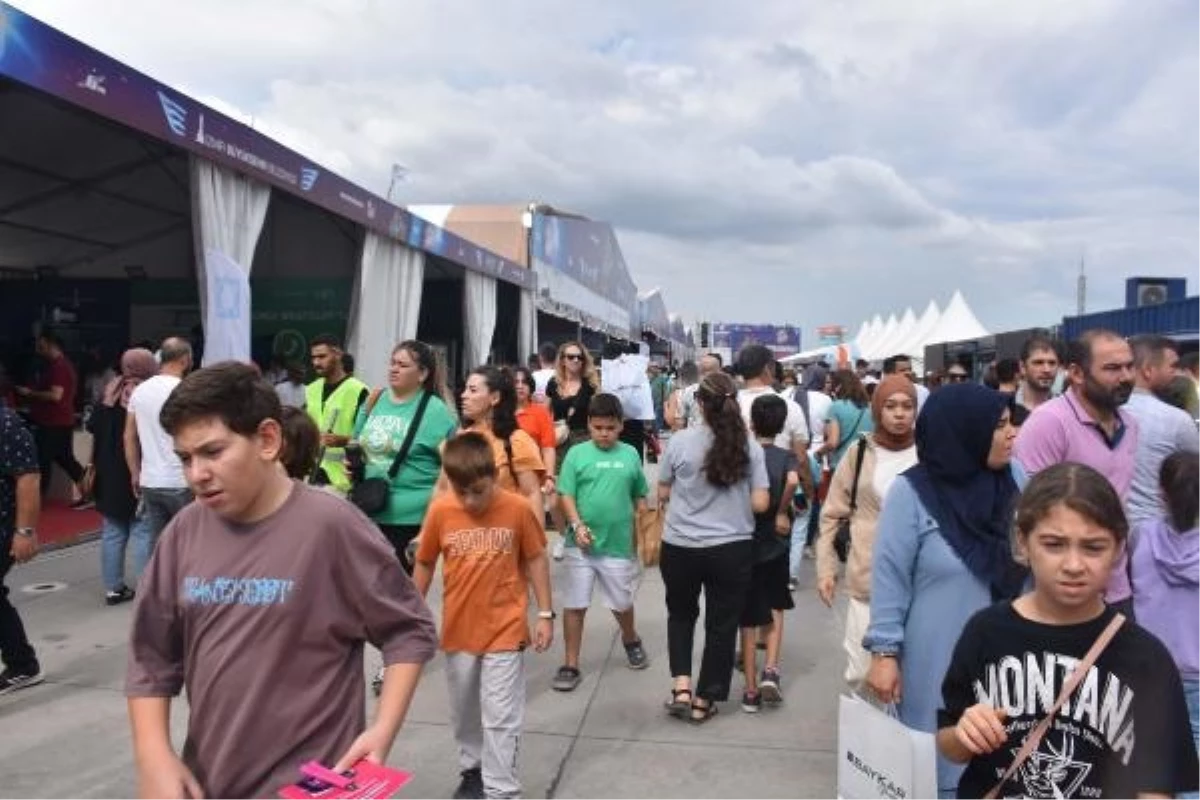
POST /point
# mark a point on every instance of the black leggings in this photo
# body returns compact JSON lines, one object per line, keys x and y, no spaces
{"x":400,"y":536}
{"x":723,"y":572}
{"x":57,"y":446}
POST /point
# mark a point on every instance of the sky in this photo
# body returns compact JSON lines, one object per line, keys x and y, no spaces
{"x":808,"y":163}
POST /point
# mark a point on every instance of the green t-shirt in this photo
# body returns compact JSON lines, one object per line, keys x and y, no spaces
{"x":381,"y":435}
{"x":604,"y":484}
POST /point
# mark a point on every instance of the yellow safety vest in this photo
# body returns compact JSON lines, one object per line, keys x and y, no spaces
{"x":335,"y":415}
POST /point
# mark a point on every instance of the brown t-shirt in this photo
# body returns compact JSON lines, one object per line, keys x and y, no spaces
{"x":59,"y":413}
{"x":264,"y":625}
{"x":485,"y":602}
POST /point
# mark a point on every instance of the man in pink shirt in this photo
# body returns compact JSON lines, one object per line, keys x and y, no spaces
{"x":1085,"y":425}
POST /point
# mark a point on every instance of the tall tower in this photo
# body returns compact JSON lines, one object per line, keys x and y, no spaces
{"x":1081,"y":290}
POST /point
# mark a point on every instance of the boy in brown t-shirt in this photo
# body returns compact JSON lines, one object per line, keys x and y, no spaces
{"x":490,"y":540}
{"x":259,"y":598}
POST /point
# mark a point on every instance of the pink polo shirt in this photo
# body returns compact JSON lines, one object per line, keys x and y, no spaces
{"x":1061,"y":430}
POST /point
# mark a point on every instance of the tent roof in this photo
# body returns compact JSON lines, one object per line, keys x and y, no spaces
{"x":958,"y":322}
{"x":914,"y":344}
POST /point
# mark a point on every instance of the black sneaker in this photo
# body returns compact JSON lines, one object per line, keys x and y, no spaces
{"x":566,"y":679}
{"x":636,"y":656}
{"x":751,"y":702}
{"x":471,"y":785}
{"x":11,"y":680}
{"x":122,"y":595}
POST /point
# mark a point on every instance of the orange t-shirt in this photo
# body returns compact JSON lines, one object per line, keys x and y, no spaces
{"x":535,"y":420}
{"x":526,"y":456}
{"x":485,"y":599}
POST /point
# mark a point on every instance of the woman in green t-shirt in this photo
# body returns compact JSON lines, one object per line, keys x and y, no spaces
{"x":381,"y":428}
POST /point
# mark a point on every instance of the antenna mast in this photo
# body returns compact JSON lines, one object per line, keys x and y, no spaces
{"x":1081,"y":290}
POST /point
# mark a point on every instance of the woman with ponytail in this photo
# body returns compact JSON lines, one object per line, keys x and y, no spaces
{"x":715,"y":479}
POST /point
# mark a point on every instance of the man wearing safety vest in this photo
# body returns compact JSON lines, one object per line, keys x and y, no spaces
{"x":333,"y":400}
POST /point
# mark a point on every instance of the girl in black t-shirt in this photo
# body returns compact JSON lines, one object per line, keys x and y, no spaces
{"x":1124,"y":731}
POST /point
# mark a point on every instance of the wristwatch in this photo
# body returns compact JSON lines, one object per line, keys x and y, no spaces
{"x":547,"y":614}
{"x":28,"y":533}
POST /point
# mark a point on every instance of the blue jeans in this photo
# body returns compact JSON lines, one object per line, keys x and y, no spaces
{"x":799,"y":534}
{"x":160,"y":506}
{"x":114,"y":537}
{"x":1191,"y":693}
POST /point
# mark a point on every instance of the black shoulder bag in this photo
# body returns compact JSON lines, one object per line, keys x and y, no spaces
{"x":841,"y":540}
{"x":371,"y":495}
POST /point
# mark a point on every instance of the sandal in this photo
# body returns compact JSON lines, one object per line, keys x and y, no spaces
{"x":680,"y":703}
{"x":702,"y":714}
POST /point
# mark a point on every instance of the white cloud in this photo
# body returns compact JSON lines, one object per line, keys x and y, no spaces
{"x":796,"y":162}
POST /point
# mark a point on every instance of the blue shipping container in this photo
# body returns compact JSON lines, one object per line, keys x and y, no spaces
{"x":1179,"y":319}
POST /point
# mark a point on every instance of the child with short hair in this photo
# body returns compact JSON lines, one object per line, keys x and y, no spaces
{"x":767,"y":595}
{"x":602,"y":486}
{"x":258,"y":601}
{"x":1123,"y":730}
{"x":493,"y":548}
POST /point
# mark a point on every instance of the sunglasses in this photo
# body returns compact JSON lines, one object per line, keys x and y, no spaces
{"x":957,"y":376}
{"x":573,"y":357}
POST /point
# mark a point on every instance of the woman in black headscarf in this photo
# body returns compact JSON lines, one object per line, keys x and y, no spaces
{"x":943,"y":551}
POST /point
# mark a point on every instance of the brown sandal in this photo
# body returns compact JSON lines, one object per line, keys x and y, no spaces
{"x":702,"y":714}
{"x":680,"y":703}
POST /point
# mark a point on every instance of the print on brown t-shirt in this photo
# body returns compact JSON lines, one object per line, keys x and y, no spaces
{"x":485,"y":599}
{"x":264,"y":625}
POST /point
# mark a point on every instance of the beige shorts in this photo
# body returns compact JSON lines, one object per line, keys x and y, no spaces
{"x":581,"y":572}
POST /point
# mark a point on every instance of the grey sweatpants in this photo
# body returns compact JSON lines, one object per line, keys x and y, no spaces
{"x":487,"y":709}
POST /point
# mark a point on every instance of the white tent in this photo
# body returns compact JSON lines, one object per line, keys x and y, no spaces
{"x":882,"y":345}
{"x":957,"y":323}
{"x":914,"y":343}
{"x":865,"y":339}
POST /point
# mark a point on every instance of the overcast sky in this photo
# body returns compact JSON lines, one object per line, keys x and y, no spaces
{"x":771,"y":161}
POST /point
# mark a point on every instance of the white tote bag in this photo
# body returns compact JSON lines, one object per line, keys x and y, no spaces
{"x":880,"y":757}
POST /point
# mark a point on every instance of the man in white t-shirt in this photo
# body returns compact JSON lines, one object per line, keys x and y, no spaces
{"x":756,"y":365}
{"x":547,"y":356}
{"x":155,"y":470}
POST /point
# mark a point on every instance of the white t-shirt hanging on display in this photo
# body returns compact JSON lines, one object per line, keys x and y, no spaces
{"x":626,"y":378}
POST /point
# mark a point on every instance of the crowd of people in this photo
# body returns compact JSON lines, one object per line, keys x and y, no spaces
{"x":985,"y":536}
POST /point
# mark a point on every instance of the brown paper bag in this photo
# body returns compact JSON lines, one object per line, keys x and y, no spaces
{"x":649,"y":535}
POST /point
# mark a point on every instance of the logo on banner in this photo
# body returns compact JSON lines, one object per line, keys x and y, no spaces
{"x":175,"y":113}
{"x":94,"y":82}
{"x":308,"y":177}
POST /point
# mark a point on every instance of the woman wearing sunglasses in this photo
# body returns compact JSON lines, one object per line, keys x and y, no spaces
{"x":568,"y":394}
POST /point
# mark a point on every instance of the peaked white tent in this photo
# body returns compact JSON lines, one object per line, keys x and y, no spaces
{"x":882,"y":345}
{"x":914,"y":343}
{"x":866,"y":339}
{"x":958,"y":322}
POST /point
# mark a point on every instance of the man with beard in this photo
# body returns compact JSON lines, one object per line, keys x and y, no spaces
{"x":1039,"y":369}
{"x":1085,"y":425}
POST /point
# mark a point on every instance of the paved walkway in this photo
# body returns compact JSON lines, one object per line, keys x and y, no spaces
{"x":609,"y":738}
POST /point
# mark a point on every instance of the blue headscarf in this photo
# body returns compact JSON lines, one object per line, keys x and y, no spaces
{"x":973,"y":505}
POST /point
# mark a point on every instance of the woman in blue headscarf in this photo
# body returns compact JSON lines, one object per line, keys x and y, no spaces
{"x":943,"y":551}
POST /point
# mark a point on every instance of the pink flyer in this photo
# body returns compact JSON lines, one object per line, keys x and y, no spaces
{"x":366,"y":779}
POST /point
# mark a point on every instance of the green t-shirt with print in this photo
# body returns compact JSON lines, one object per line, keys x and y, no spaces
{"x":381,"y":435}
{"x":605,"y":485}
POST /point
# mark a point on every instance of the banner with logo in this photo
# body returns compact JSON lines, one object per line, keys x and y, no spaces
{"x":784,"y":340}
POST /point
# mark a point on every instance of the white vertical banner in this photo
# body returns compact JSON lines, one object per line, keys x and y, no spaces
{"x":227,"y":318}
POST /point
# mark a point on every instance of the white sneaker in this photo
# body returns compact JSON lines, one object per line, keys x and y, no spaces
{"x":559,"y":549}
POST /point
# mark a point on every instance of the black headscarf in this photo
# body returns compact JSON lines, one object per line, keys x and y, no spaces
{"x":814,"y":378}
{"x":973,"y":505}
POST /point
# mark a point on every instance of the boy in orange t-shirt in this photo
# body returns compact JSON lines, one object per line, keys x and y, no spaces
{"x":490,"y":540}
